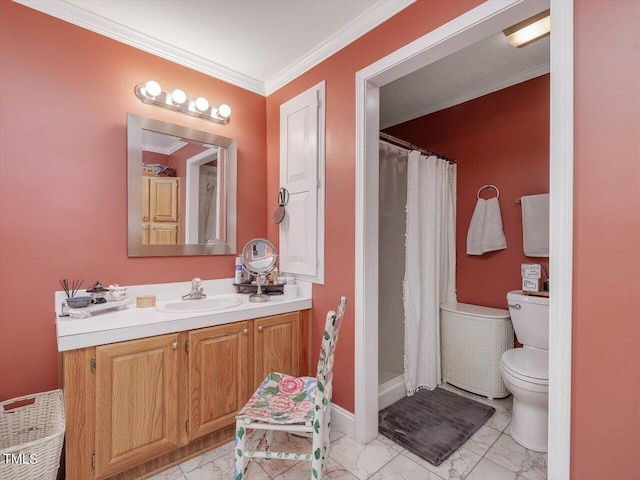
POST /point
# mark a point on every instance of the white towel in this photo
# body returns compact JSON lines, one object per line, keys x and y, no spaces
{"x":493,"y":234}
{"x":535,"y":225}
{"x":474,"y":235}
{"x":485,"y":230}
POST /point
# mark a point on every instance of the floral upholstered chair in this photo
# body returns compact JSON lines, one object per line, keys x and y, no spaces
{"x":293,"y":404}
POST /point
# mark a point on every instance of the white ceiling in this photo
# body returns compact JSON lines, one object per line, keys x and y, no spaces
{"x":261,"y":45}
{"x":484,"y":67}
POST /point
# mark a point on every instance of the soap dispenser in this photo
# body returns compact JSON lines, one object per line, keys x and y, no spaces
{"x":238,"y":271}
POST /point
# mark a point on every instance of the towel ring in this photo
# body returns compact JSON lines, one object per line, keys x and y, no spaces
{"x":489,"y":185}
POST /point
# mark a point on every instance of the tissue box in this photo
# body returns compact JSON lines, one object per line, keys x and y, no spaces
{"x":531,"y":270}
{"x":530,"y":284}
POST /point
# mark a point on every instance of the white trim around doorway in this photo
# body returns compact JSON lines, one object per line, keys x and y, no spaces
{"x":474,"y":25}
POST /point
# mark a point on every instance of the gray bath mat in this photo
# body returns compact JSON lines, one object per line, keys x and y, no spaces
{"x":433,"y":423}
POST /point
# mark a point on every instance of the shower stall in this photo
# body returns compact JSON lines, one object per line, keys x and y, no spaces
{"x":391,"y":254}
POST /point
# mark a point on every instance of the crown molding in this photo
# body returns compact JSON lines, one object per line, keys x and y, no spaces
{"x":96,"y":23}
{"x":469,"y":95}
{"x":364,"y":23}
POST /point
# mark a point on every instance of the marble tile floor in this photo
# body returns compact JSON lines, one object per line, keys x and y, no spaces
{"x":490,"y":454}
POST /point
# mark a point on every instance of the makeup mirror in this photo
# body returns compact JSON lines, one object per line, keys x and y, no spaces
{"x":259,"y":257}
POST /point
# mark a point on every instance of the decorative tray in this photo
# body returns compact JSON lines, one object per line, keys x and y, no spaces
{"x":86,"y":312}
{"x":267,"y":289}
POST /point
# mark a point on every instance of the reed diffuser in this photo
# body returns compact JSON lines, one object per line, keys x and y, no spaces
{"x":545,"y":285}
{"x":75,"y":286}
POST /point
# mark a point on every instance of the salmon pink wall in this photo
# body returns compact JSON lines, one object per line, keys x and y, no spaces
{"x":153,"y":157}
{"x":339,"y":73}
{"x":65,"y":93}
{"x":606,"y":357}
{"x":606,"y":303}
{"x":49,"y":184}
{"x":501,"y":138}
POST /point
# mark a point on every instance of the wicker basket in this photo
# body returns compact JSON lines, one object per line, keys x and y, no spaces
{"x":31,"y":436}
{"x":472,"y":341}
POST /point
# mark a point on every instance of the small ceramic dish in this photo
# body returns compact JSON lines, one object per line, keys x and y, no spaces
{"x":79,"y":302}
{"x":117,"y":292}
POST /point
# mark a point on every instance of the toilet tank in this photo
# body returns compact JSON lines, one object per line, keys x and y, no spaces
{"x":530,"y":317}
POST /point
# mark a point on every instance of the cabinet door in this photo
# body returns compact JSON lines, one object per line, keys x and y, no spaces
{"x":277,"y":346}
{"x":218,"y":376}
{"x":163,"y":234}
{"x":137,"y":416}
{"x":164,"y":200}
{"x":302,"y":174}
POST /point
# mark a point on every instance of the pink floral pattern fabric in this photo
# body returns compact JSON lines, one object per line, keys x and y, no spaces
{"x":283,"y":399}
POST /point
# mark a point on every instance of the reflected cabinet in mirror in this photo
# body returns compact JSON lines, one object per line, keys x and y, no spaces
{"x":181,"y":190}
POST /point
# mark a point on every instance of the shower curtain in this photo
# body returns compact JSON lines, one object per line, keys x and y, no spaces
{"x":391,"y":230}
{"x":430,"y":265}
{"x":208,"y":200}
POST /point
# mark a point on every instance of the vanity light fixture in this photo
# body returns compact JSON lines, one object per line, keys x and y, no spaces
{"x":529,"y":30}
{"x":178,"y":96}
{"x":151,"y":93}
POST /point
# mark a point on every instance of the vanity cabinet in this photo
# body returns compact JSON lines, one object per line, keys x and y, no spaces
{"x":134,"y":407}
{"x":218,"y":376}
{"x":137,"y":402}
{"x":277,"y":346}
{"x":160,"y":210}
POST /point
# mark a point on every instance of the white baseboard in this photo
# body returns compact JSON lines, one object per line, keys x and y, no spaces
{"x":342,"y":420}
{"x":391,"y":391}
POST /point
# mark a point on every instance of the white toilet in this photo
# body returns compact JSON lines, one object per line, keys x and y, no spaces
{"x":525,"y":371}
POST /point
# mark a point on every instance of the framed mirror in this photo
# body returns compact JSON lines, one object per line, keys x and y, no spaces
{"x":181,"y":190}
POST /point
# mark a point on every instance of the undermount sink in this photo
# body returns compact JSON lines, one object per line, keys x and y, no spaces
{"x":203,"y":305}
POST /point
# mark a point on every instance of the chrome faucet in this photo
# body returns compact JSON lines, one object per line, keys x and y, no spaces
{"x":197,"y":291}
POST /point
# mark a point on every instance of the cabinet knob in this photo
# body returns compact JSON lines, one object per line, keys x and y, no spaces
{"x":175,"y":345}
{"x":245,"y":331}
{"x":260,"y":328}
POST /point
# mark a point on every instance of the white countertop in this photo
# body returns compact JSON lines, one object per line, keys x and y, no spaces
{"x":132,"y":323}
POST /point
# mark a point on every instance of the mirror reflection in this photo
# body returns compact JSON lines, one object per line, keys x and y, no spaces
{"x":259,"y":256}
{"x":179,"y":172}
{"x":184,"y":182}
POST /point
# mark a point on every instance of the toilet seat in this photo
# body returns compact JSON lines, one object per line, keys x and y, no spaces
{"x":527,"y":364}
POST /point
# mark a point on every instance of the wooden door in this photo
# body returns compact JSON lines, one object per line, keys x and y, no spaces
{"x":137,"y":412}
{"x":218,"y":376}
{"x":163,"y":199}
{"x":276,"y":346}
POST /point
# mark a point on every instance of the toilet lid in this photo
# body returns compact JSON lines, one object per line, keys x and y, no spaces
{"x":529,"y":363}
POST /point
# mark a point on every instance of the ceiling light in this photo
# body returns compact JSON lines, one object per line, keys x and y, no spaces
{"x":529,"y":30}
{"x":151,"y":93}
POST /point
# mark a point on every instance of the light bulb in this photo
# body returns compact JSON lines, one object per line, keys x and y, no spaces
{"x":202,"y":104}
{"x":152,"y":88}
{"x":178,"y":96}
{"x":224,"y":110}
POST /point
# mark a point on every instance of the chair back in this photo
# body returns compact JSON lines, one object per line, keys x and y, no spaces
{"x":324,"y":377}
